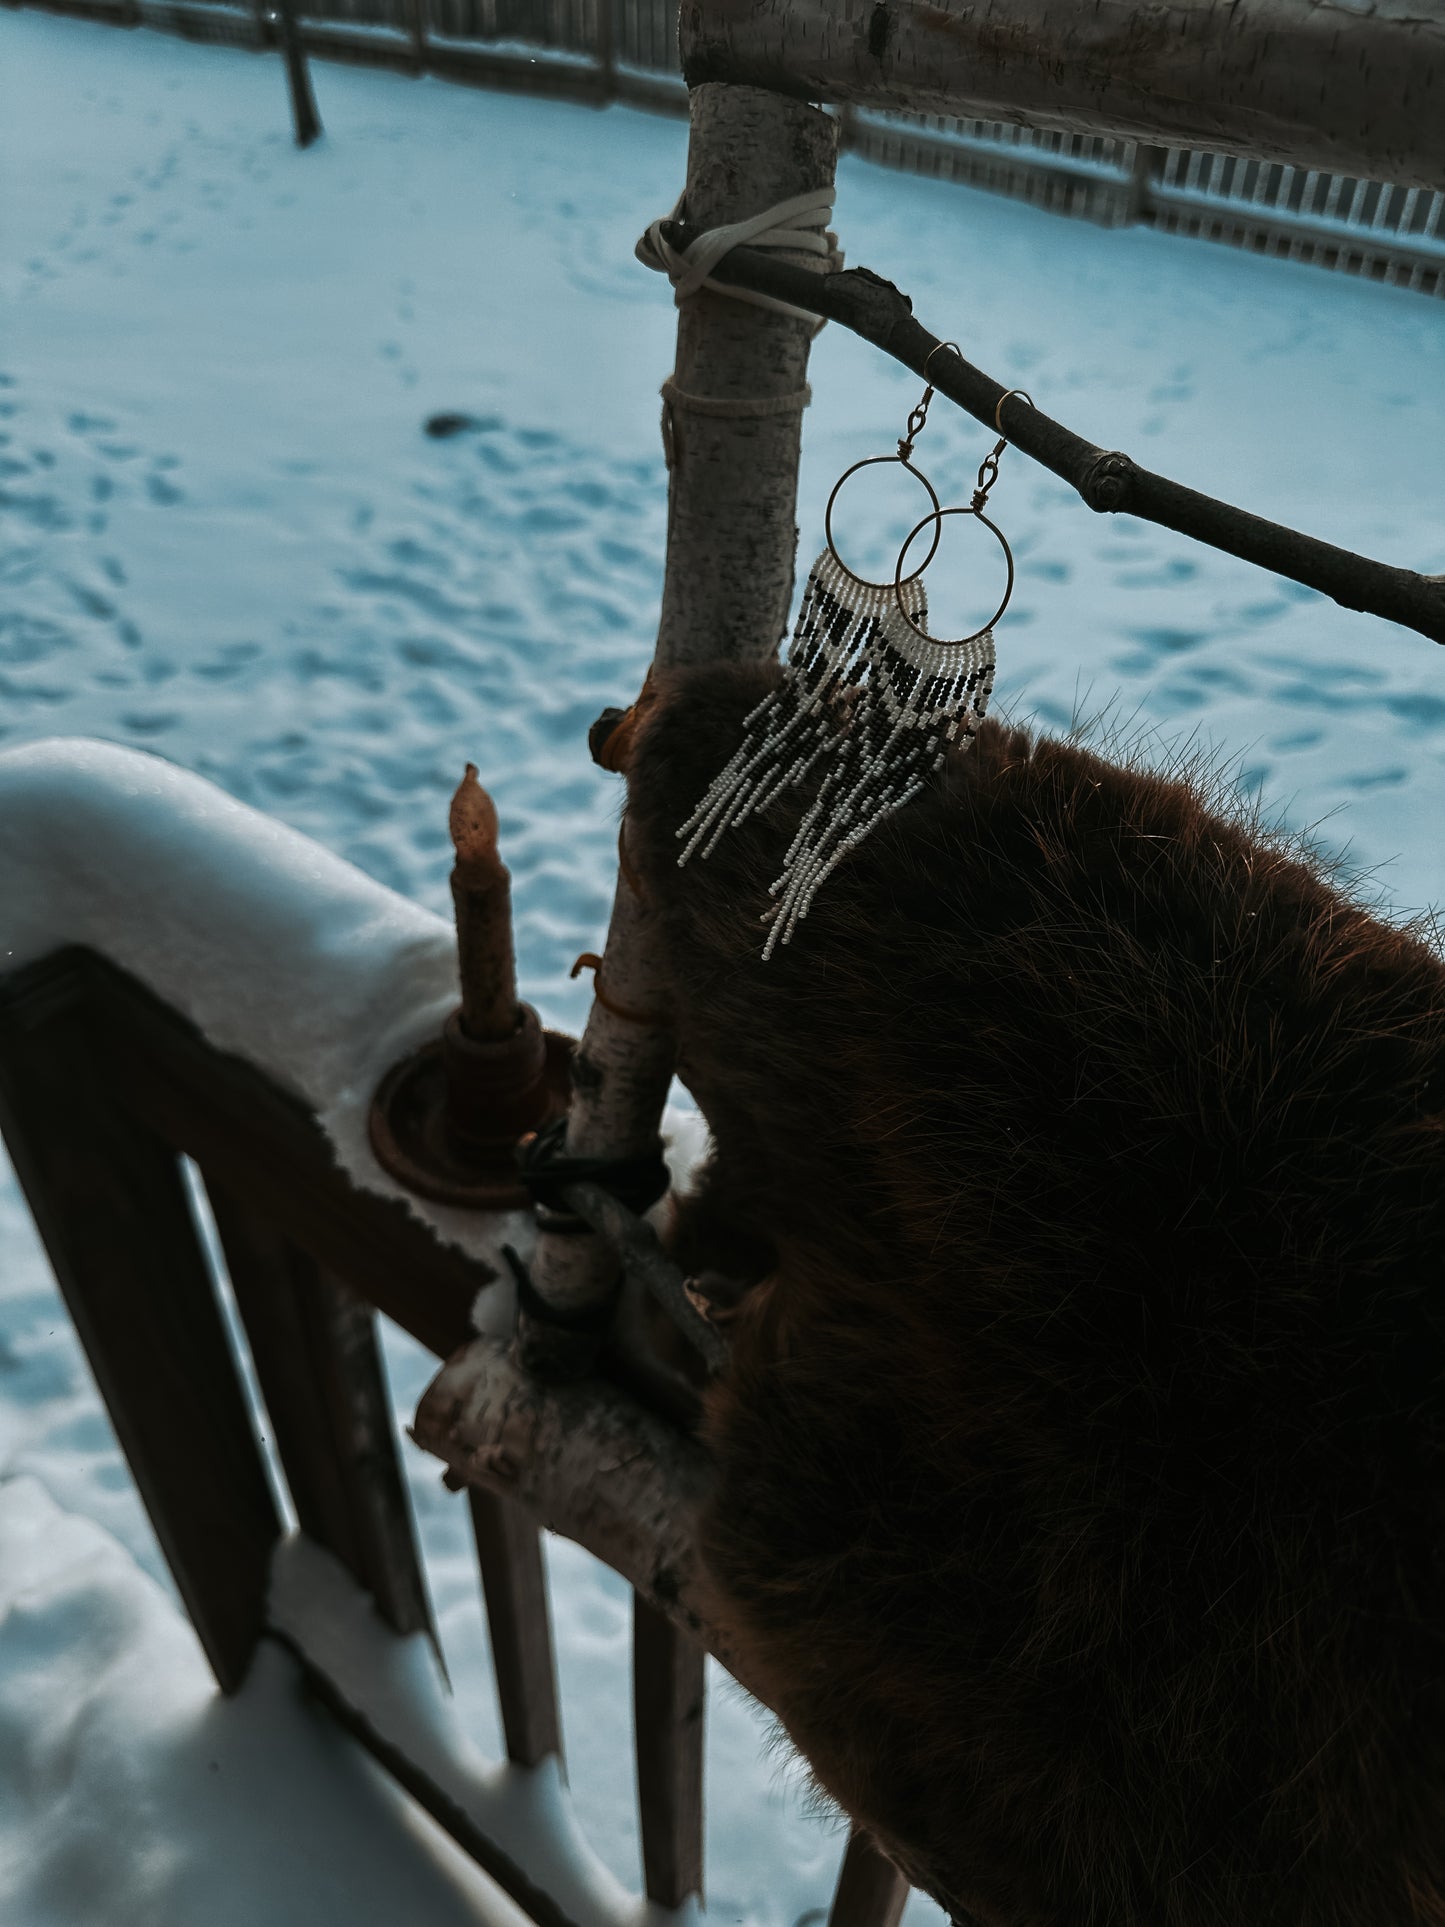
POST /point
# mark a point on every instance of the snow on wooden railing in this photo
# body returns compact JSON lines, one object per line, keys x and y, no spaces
{"x":182,"y":977}
{"x":277,"y":950}
{"x":389,"y":1693}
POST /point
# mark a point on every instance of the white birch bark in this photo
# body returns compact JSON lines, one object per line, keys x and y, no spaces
{"x":585,"y":1461}
{"x":729,"y":579}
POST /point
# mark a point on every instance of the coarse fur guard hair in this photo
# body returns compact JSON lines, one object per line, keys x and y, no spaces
{"x":1082,"y":1496}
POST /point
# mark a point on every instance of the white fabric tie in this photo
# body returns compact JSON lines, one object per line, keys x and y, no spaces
{"x":799,"y":225}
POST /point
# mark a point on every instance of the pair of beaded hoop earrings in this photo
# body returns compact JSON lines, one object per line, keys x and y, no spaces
{"x":987,"y":476}
{"x":865,"y":690}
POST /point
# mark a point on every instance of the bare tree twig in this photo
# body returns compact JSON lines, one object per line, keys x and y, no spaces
{"x":725,"y":596}
{"x":1107,"y":480}
{"x":640,"y":1249}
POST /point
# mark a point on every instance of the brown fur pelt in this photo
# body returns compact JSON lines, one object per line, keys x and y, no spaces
{"x":1082,"y":1494}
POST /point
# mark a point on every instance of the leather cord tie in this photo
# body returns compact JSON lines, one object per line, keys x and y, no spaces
{"x":546,"y":1170}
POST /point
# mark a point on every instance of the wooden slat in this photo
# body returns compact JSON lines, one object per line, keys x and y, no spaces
{"x":474,"y":65}
{"x":358,"y":1403}
{"x":110,"y":1205}
{"x":263,"y":1267}
{"x":870,"y":1892}
{"x":605,"y":42}
{"x":668,"y":1699}
{"x":261,"y":1144}
{"x":444,"y":1801}
{"x":514,"y":1583}
{"x":320,"y":1370}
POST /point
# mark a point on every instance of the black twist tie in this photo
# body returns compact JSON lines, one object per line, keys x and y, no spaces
{"x":637,"y":1182}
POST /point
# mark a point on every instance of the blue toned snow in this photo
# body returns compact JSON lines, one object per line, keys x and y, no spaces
{"x":225,"y":538}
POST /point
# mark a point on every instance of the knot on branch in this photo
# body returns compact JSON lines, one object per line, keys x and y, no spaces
{"x":1108,"y":482}
{"x":869,"y":305}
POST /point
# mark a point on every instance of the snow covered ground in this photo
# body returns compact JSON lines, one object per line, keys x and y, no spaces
{"x":224,"y":537}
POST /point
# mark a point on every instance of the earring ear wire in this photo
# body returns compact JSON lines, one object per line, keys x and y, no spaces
{"x":987,"y":476}
{"x":917,"y":421}
{"x":938,"y":348}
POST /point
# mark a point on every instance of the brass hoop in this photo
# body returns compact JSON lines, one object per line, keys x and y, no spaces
{"x":952,"y":642}
{"x":1003,"y":398}
{"x":871,"y":461}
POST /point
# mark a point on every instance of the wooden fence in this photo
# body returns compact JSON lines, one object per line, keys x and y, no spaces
{"x":600,"y":50}
{"x":1371,"y":228}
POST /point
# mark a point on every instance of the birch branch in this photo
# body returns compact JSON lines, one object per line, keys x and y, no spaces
{"x":728,"y":584}
{"x":585,"y":1461}
{"x":1105,"y":479}
{"x":1355,"y":87}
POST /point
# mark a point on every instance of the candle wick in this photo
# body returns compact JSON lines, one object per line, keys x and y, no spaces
{"x":474,"y":832}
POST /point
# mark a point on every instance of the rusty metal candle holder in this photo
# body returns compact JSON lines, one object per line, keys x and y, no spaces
{"x":446,"y":1120}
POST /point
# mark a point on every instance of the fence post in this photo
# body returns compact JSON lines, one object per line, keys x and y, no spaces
{"x":415,"y":14}
{"x":304,"y":116}
{"x":606,"y":49}
{"x":1148,"y":168}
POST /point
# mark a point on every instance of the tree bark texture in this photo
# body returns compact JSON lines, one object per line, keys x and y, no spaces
{"x":641,"y":1252}
{"x":1355,"y":87}
{"x":730,"y":554}
{"x":731,"y":538}
{"x":583,"y":1460}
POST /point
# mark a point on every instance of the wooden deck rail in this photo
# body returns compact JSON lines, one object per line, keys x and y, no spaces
{"x":103,"y":1090}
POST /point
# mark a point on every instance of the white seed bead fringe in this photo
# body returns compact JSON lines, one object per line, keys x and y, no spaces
{"x":867,"y":694}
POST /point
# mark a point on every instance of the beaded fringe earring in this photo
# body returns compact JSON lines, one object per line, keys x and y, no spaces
{"x":865,"y":690}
